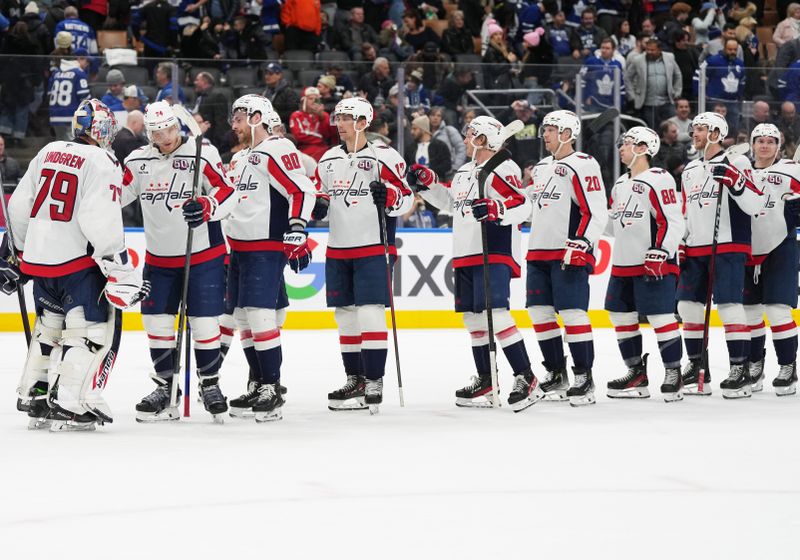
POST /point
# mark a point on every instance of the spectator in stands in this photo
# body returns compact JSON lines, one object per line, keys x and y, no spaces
{"x":355,"y":32}
{"x":760,"y":115}
{"x":9,"y":167}
{"x":452,"y":92}
{"x":672,"y":156}
{"x":391,"y":42}
{"x":525,"y":143}
{"x":710,"y":17}
{"x":558,"y":35}
{"x":379,"y":131}
{"x":598,"y":74}
{"x":623,"y":38}
{"x":426,"y":151}
{"x":63,"y":42}
{"x":725,"y":80}
{"x":687,"y":57}
{"x":116,"y":86}
{"x":415,"y":33}
{"x":155,"y":28}
{"x":419,"y":216}
{"x":367,"y":58}
{"x":500,"y":60}
{"x":311,"y":125}
{"x":717,"y":45}
{"x":327,"y":92}
{"x":83,"y":35}
{"x":245,"y":40}
{"x":676,"y":24}
{"x":343,"y":82}
{"x":416,"y":96}
{"x":130,"y":136}
{"x":302,"y":23}
{"x":537,"y":59}
{"x":377,"y":83}
{"x":37,"y":29}
{"x":457,"y":39}
{"x":19,"y":77}
{"x":69,"y":85}
{"x":791,"y":77}
{"x":787,"y":54}
{"x":388,"y":112}
{"x":653,"y":81}
{"x":435,"y":65}
{"x":133,"y":98}
{"x":789,"y":122}
{"x":284,"y":98}
{"x":94,"y":13}
{"x":450,"y":136}
{"x":741,"y":9}
{"x":164,"y":82}
{"x":214,"y":108}
{"x":683,"y":120}
{"x":789,"y":28}
{"x":586,"y":38}
{"x":201,"y":41}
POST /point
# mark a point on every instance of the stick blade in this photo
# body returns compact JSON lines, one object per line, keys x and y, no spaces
{"x":187,"y":119}
{"x":512,"y":128}
{"x":738,"y":150}
{"x":796,"y":155}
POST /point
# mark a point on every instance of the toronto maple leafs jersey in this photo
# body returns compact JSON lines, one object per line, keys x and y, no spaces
{"x":504,"y":183}
{"x":163,"y":183}
{"x":344,"y":178}
{"x":645,"y":213}
{"x":769,"y":225}
{"x":273,"y":193}
{"x":66,"y":211}
{"x":569,"y":201}
{"x":67,"y":86}
{"x":700,"y":192}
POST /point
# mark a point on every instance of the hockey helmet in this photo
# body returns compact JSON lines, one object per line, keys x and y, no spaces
{"x":712,"y":121}
{"x":159,"y":116}
{"x":94,"y":120}
{"x":251,"y":104}
{"x":356,"y":107}
{"x":272,"y":121}
{"x":643,"y":135}
{"x":563,"y":120}
{"x":491,"y":128}
{"x":765,"y":129}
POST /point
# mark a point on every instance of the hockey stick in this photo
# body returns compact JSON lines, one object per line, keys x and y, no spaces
{"x":23,"y":306}
{"x":735,"y":150}
{"x":597,"y":122}
{"x":487,"y":169}
{"x":187,"y":372}
{"x":389,"y":283}
{"x":796,"y":156}
{"x":184,"y":116}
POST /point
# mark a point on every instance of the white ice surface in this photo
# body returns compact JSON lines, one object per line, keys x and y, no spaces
{"x":703,"y":478}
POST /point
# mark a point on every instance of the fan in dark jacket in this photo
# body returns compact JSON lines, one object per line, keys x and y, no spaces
{"x":213,"y":106}
{"x":425,"y":150}
{"x":246,"y":40}
{"x":18,"y":78}
{"x":284,"y":99}
{"x":457,"y":39}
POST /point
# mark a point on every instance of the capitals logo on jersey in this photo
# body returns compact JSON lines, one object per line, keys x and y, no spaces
{"x":628,"y":212}
{"x":344,"y":189}
{"x":544,"y":196}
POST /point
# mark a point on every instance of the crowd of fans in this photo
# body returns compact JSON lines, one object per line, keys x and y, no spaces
{"x":305,"y":56}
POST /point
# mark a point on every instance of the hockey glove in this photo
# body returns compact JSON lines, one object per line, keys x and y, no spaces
{"x":124,"y":286}
{"x":198,"y":210}
{"x":382,"y":195}
{"x":320,"y":211}
{"x":422,"y":177}
{"x":296,"y":249}
{"x":10,"y":274}
{"x":655,"y":264}
{"x":488,"y":209}
{"x":576,"y":254}
{"x":681,"y":254}
{"x":727,"y":175}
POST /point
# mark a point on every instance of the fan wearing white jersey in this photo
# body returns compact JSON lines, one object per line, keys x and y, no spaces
{"x":161,"y":176}
{"x":266,"y":230}
{"x":740,"y":199}
{"x":647,"y":221}
{"x":569,"y":216}
{"x":358,"y":179}
{"x":770,"y":280}
{"x":503,"y":207}
{"x":66,"y":219}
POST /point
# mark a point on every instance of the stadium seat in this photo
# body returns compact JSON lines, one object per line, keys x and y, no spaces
{"x":468,"y":59}
{"x":298,"y":60}
{"x":326,"y":57}
{"x":242,"y":76}
{"x":245,"y":90}
{"x":308,"y":77}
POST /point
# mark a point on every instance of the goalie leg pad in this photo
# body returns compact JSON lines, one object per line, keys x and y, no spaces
{"x":45,"y":339}
{"x":88,"y":354}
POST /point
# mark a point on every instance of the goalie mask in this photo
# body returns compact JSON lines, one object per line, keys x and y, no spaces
{"x":94,"y":120}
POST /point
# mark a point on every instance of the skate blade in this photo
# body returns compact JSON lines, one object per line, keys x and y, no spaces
{"x":374,"y":409}
{"x":237,"y":412}
{"x":742,"y":393}
{"x":586,"y":399}
{"x":272,"y":416}
{"x":166,"y":415}
{"x":356,"y":403}
{"x":632,"y":393}
{"x":39,"y":423}
{"x":556,"y":396}
{"x":527,"y":402}
{"x":758,"y":386}
{"x":673,"y":397}
{"x":69,"y":426}
{"x":785,"y":391}
{"x":691,"y":390}
{"x":218,"y":418}
{"x":478,"y":402}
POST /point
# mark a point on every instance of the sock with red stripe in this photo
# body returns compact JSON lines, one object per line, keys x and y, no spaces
{"x":548,"y":334}
{"x":227,"y":326}
{"x":161,"y":340}
{"x":758,"y":331}
{"x":261,"y":325}
{"x":579,"y":337}
{"x":629,"y":337}
{"x":475,"y":323}
{"x":668,"y":336}
{"x":349,"y":339}
{"x":510,"y":340}
{"x":784,"y":333}
{"x":374,"y":340}
{"x":206,"y":336}
{"x":692,"y":315}
{"x":737,"y":334}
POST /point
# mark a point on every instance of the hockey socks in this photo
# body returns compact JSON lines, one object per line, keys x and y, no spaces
{"x":548,"y":334}
{"x":507,"y":335}
{"x":579,"y":337}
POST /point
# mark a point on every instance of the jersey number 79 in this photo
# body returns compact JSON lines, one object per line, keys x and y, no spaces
{"x":62,"y":187}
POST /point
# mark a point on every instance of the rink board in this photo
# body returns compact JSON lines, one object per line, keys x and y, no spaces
{"x":423,"y":285}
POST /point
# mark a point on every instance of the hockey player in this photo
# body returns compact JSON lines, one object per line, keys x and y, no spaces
{"x":569,"y":215}
{"x":770,"y":280}
{"x":647,"y":221}
{"x":71,"y":193}
{"x":267,"y":228}
{"x":354,"y":178}
{"x":504,"y":206}
{"x":161,"y":176}
{"x":741,"y":198}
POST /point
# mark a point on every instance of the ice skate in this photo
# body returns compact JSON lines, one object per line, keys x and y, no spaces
{"x":373,"y":395}
{"x":213,"y":400}
{"x":582,"y":391}
{"x":242,"y":406}
{"x":555,"y":384}
{"x":526,"y":391}
{"x":672,"y":388}
{"x":36,"y":407}
{"x":269,"y":405}
{"x":478,"y":394}
{"x":737,"y":385}
{"x":786,"y":381}
{"x":690,"y":377}
{"x":156,"y":407}
{"x":632,"y":385}
{"x":350,"y":396}
{"x":756,"y":372}
{"x":64,"y":420}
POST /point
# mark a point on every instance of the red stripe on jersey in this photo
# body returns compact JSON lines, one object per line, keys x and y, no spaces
{"x":638,"y":270}
{"x":552,"y":255}
{"x":224,"y":190}
{"x":478,"y":334}
{"x":754,"y":260}
{"x":794,"y":185}
{"x":477,"y":260}
{"x":265,"y":336}
{"x":177,"y":262}
{"x":578,"y":329}
{"x":389,"y":175}
{"x":157,"y":337}
{"x":375,"y":335}
{"x":544,"y":327}
{"x":735,"y":327}
{"x":761,"y":325}
{"x":208,"y":340}
{"x":349,"y":339}
{"x":693,"y":326}
{"x":358,"y":252}
{"x":257,"y":245}
{"x":294,"y":192}
{"x":244,"y":335}
{"x":661,"y":219}
{"x":127,"y":177}
{"x":226,"y":331}
{"x":511,"y":197}
{"x":586,"y":213}
{"x":666,"y":328}
{"x":627,"y":328}
{"x":782,"y":328}
{"x":507,"y":332}
{"x":705,"y":250}
{"x":57,"y":270}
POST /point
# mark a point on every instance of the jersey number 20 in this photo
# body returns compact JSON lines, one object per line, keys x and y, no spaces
{"x":63,"y":189}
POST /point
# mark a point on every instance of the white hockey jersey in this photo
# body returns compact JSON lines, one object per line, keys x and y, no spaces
{"x":66,"y":211}
{"x":700,"y":192}
{"x":344,"y":178}
{"x":770,"y":226}
{"x":273,"y":191}
{"x":569,"y":201}
{"x":503,"y":183}
{"x":162,"y":184}
{"x":234,"y":169}
{"x":645,"y":213}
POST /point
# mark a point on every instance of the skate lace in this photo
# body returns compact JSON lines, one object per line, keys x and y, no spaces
{"x":158,"y":395}
{"x":737,"y":371}
{"x":785,"y":372}
{"x":520,"y":384}
{"x":690,"y":370}
{"x":350,"y":384}
{"x":672,"y":376}
{"x":580,"y":379}
{"x":475,"y":383}
{"x":756,"y":369}
{"x":266,"y":391}
{"x":212,"y":394}
{"x":374,"y":387}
